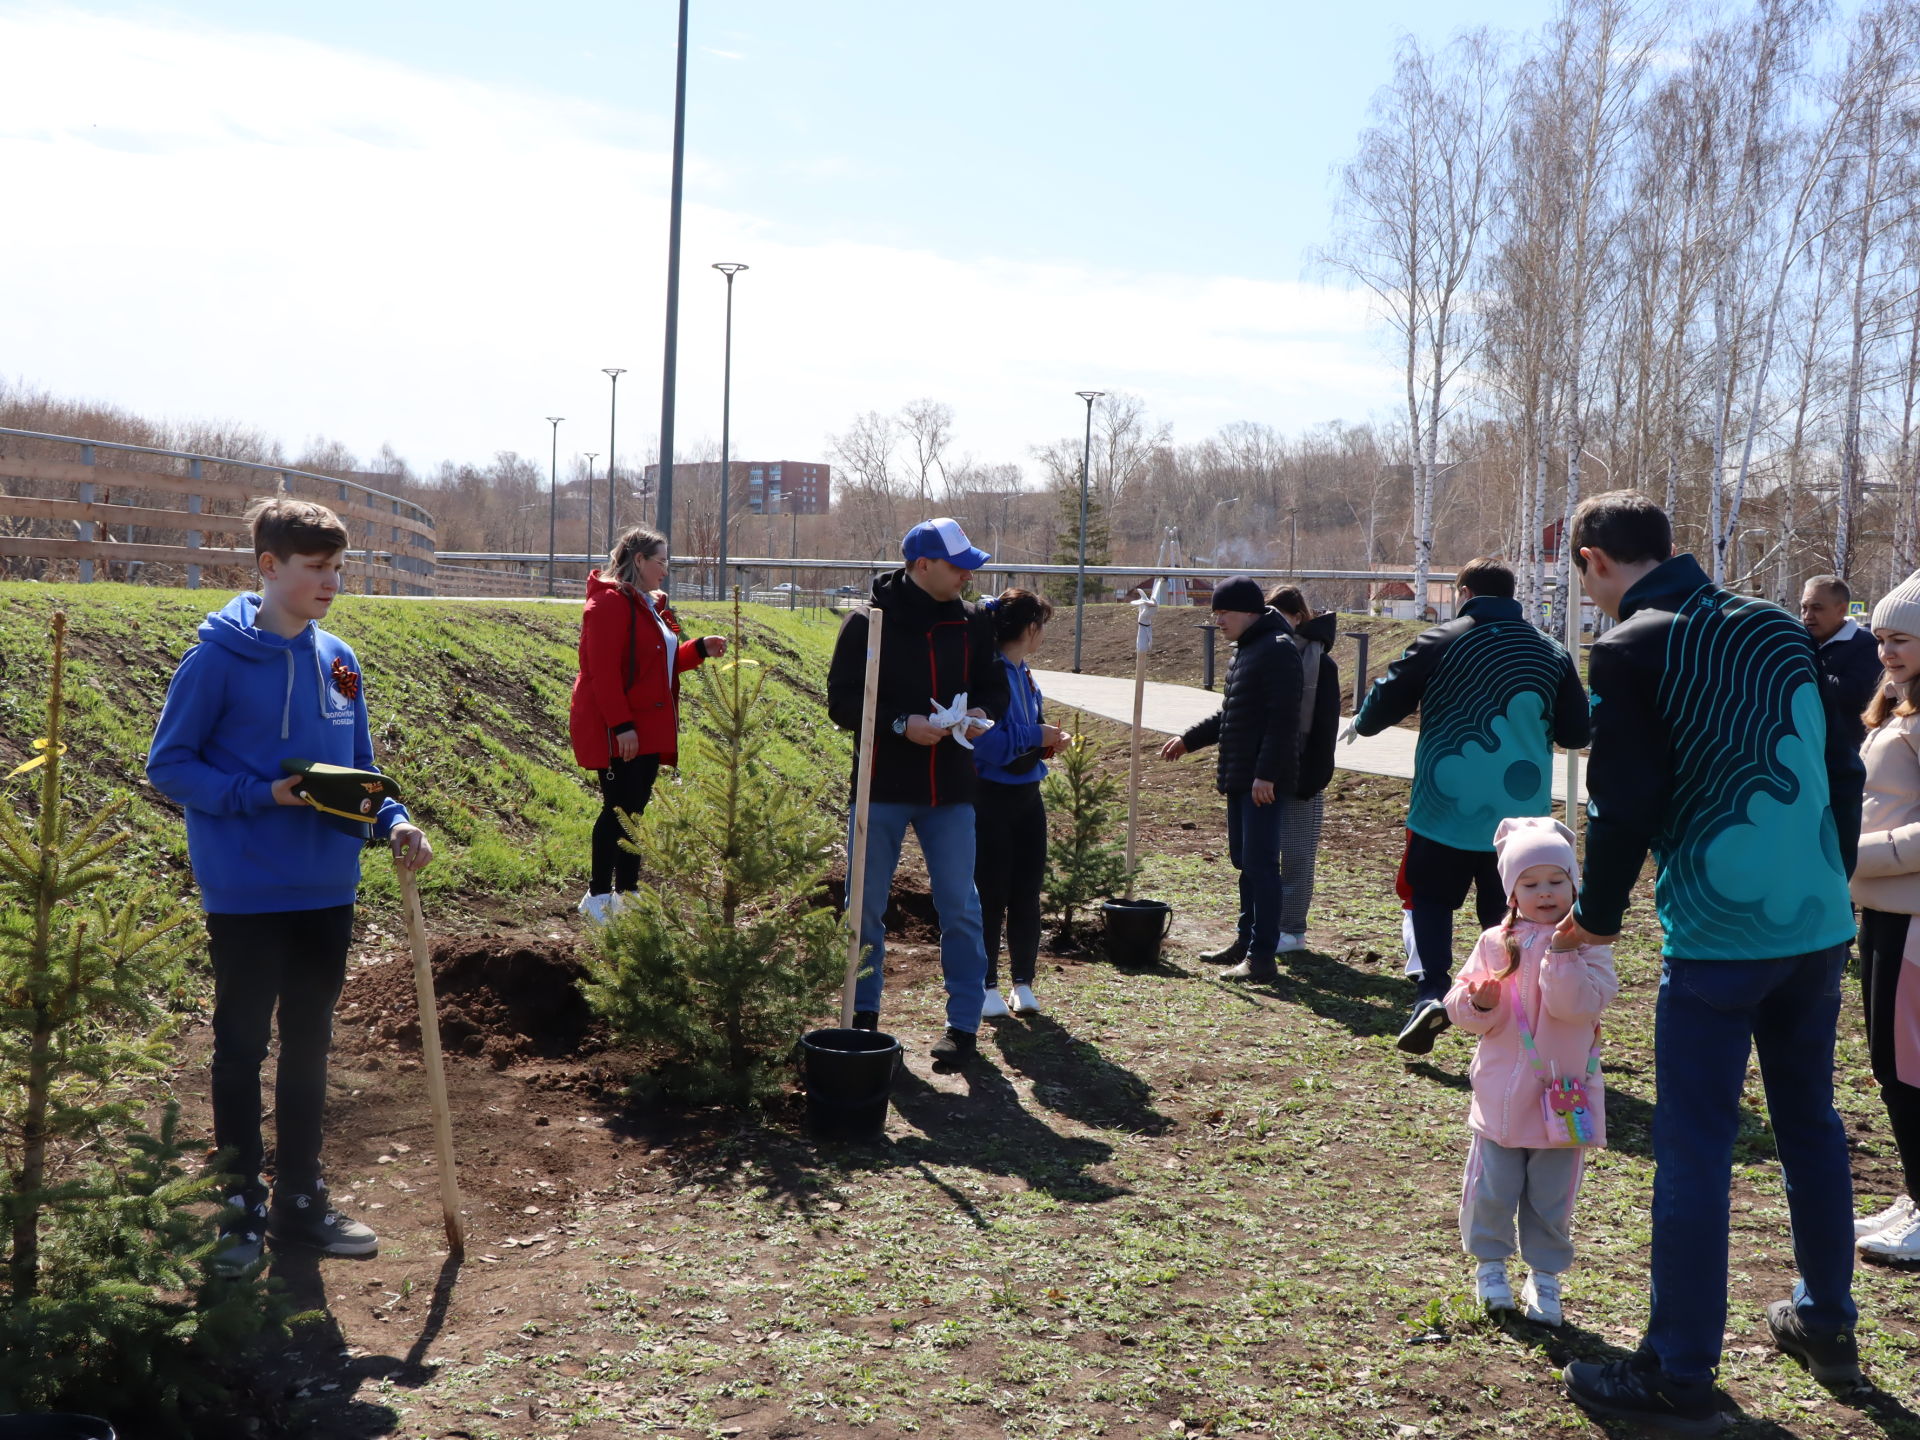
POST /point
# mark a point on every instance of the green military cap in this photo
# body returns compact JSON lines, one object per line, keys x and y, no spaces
{"x":338,"y":790}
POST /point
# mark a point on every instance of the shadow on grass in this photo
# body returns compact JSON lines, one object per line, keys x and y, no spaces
{"x":984,"y":1128}
{"x":1074,"y":1078}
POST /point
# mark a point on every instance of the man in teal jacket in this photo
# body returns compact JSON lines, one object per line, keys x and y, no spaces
{"x":1709,"y":748}
{"x":1495,"y":696}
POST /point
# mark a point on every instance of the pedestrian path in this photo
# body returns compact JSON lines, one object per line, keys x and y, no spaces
{"x":1174,"y":709}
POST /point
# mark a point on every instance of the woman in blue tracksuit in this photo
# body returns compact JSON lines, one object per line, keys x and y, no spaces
{"x":1010,"y":823}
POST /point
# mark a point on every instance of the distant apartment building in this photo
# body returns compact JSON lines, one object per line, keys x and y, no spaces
{"x":764,"y":487}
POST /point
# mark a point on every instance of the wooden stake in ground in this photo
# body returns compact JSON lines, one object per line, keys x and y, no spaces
{"x":1142,"y":644}
{"x":430,"y":1059}
{"x":862,"y":800}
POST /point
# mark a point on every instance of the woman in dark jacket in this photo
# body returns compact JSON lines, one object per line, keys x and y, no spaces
{"x":625,"y":717}
{"x":1010,"y":823}
{"x":1302,"y":812}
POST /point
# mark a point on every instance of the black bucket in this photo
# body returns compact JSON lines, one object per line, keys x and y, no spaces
{"x":849,"y":1076}
{"x":1135,"y":929}
{"x":54,"y":1427}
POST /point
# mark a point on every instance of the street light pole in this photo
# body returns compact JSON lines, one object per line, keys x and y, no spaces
{"x":663,"y":507}
{"x":592,"y":455}
{"x":1080,"y":580}
{"x":553,"y":498}
{"x":728,"y":268}
{"x":613,"y":373}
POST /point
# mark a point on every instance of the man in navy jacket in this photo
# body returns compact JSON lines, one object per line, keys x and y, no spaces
{"x":1848,"y":658}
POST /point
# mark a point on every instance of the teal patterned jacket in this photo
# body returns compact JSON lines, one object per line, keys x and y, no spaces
{"x":1495,"y":696}
{"x":1709,"y":749}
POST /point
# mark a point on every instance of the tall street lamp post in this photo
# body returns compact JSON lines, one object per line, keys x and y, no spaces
{"x":592,"y":455}
{"x":1080,"y":580}
{"x":613,"y":373}
{"x":728,"y":268}
{"x":553,"y":497}
{"x":663,"y":507}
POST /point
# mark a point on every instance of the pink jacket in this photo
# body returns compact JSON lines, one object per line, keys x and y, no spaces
{"x":1563,"y":996}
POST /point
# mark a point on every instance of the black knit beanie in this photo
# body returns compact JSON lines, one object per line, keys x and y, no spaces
{"x":1239,"y":592}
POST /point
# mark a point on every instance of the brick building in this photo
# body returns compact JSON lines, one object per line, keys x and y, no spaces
{"x":763,"y":487}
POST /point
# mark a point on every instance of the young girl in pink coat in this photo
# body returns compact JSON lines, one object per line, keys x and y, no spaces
{"x":1537,"y":1093}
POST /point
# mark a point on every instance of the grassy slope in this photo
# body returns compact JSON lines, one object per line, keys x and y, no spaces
{"x":469,"y":710}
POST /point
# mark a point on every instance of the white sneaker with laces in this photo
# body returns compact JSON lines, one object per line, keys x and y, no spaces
{"x":1899,"y":1241}
{"x":995,"y":1008}
{"x":597,"y":908}
{"x":1491,"y":1285}
{"x":1540,"y":1298}
{"x":1289,"y":943}
{"x":1873,"y":1224}
{"x":1023,"y":1001}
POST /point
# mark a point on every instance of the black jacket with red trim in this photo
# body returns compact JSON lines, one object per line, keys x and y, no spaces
{"x":930,"y":651}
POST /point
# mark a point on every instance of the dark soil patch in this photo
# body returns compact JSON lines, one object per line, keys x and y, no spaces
{"x":501,"y":997}
{"x":910,"y":912}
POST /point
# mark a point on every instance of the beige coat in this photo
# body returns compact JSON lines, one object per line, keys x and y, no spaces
{"x":1888,"y":875}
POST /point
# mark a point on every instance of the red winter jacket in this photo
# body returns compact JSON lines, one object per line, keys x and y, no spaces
{"x":623,"y":677}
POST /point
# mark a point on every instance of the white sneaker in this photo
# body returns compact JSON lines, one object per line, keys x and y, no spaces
{"x":1023,"y":1001}
{"x":597,"y":908}
{"x":1899,"y":1241}
{"x":995,"y":1008}
{"x":1289,"y":943}
{"x":1492,"y":1286}
{"x":1540,"y":1298}
{"x":1873,"y":1224}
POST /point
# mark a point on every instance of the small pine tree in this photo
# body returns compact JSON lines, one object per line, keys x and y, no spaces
{"x":1084,"y":861}
{"x":727,"y":950}
{"x":1066,"y":549}
{"x":108,"y":1298}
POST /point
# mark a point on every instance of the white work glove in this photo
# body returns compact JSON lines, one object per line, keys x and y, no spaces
{"x":955,"y":720}
{"x":1348,"y":735}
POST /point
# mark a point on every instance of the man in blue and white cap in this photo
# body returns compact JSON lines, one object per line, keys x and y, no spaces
{"x":934,"y":647}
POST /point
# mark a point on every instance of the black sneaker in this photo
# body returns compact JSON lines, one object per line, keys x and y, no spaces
{"x":243,"y":1231}
{"x":305,"y":1218}
{"x":1638,"y":1389}
{"x":1258,"y":972}
{"x":1423,"y":1027}
{"x":1831,"y":1359}
{"x":1231,"y":954}
{"x":866,"y":1019}
{"x":955,"y":1049}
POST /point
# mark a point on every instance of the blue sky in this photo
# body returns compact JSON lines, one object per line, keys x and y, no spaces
{"x":456,"y":214}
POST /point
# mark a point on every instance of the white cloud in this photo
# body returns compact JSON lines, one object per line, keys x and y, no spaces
{"x":312,"y":241}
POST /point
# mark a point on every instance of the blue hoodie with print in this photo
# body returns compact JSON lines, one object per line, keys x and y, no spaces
{"x":243,"y":700}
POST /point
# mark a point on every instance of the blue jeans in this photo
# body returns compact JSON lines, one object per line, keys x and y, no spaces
{"x":1709,"y":1013}
{"x":946,"y":840}
{"x":1253,"y":845}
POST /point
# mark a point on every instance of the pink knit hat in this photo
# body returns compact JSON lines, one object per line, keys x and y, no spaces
{"x":1529,"y":840}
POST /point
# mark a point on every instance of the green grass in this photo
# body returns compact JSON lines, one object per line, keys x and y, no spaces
{"x":468,"y":707}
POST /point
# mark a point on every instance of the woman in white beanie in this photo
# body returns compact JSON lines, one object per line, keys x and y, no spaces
{"x":1886,"y":887}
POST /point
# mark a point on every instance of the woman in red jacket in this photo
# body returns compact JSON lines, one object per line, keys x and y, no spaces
{"x":626,"y":700}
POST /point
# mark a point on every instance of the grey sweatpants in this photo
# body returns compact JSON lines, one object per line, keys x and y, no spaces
{"x":1299,"y":845}
{"x":1537,"y":1187}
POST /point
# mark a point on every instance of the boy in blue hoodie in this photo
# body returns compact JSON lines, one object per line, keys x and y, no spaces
{"x":277,"y":878}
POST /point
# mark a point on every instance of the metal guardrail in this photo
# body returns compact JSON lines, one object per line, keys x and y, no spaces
{"x":407,"y":569}
{"x":783,"y":562}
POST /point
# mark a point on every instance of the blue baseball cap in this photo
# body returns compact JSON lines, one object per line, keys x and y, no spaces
{"x":942,"y":539}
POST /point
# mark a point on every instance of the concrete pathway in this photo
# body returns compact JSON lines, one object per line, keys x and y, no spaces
{"x":1173,"y":709}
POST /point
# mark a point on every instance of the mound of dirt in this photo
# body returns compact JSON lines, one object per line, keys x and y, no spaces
{"x":502,"y":997}
{"x":910,"y":914}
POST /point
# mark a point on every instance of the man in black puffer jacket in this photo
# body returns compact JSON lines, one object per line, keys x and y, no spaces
{"x":1258,"y":731}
